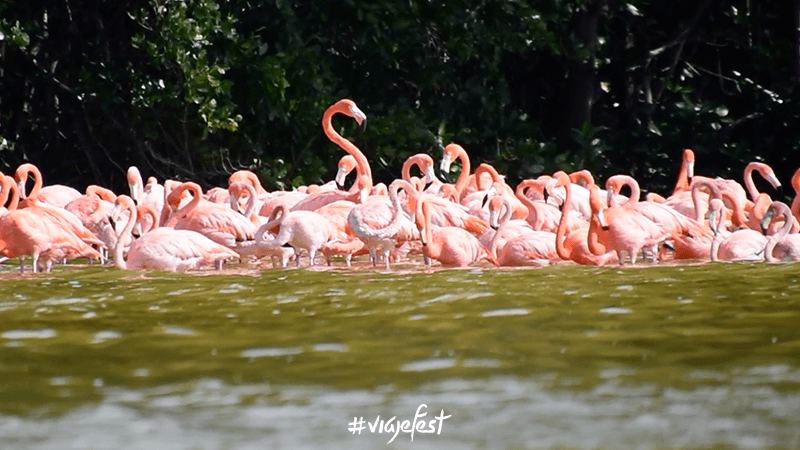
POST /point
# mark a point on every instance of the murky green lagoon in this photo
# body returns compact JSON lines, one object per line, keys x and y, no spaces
{"x":564,"y":357}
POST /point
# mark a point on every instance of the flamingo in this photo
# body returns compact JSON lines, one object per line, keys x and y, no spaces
{"x":783,"y":245}
{"x":219,"y":223}
{"x":541,"y":215}
{"x":451,"y":246}
{"x":165,"y":248}
{"x":521,"y":247}
{"x":451,"y":153}
{"x":426,"y":166}
{"x":628,"y":231}
{"x":575,"y":245}
{"x":381,"y":223}
{"x":303,"y":230}
{"x":348,"y":108}
{"x":56,"y":195}
{"x":28,"y":232}
{"x":150,"y":194}
{"x":741,"y":245}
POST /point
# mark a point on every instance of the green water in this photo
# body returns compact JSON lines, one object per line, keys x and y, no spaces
{"x":563,"y":357}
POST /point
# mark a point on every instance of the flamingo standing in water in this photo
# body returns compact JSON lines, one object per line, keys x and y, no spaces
{"x":28,"y":232}
{"x":628,"y":231}
{"x":782,"y":245}
{"x":451,"y":246}
{"x":165,"y":248}
{"x":574,"y":246}
{"x":303,"y":230}
{"x":381,"y":222}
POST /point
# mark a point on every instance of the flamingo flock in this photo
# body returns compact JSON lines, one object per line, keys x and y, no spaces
{"x":554,"y":219}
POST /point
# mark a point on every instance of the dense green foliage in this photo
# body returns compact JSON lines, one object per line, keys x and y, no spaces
{"x":199,"y":88}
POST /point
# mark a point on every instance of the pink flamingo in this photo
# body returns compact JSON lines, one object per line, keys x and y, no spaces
{"x":784,"y":244}
{"x":27,"y":232}
{"x":523,"y":246}
{"x":56,"y":195}
{"x":575,"y":245}
{"x":451,"y":246}
{"x":426,"y":166}
{"x":741,"y":245}
{"x":165,"y":248}
{"x":348,"y":108}
{"x":628,"y":231}
{"x":219,"y":223}
{"x":451,"y":153}
{"x":665,"y":217}
{"x":541,"y":215}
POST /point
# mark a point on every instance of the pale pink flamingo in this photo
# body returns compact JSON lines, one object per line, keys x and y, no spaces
{"x":381,"y":223}
{"x":665,"y":217}
{"x":165,"y":248}
{"x":784,"y":245}
{"x":451,"y":246}
{"x":219,"y":223}
{"x":521,"y":247}
{"x":56,"y":195}
{"x":694,"y":240}
{"x":303,"y":230}
{"x":628,"y":231}
{"x":151,"y":193}
{"x":574,"y":246}
{"x":346,"y":245}
{"x":741,"y":245}
{"x":500,"y":227}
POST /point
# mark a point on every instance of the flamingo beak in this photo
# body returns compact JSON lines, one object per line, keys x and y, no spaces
{"x":485,"y":201}
{"x":690,"y":170}
{"x":360,"y":117}
{"x":766,"y":220}
{"x":601,"y":218}
{"x":341,"y":176}
{"x":444,"y":167}
{"x":610,"y":198}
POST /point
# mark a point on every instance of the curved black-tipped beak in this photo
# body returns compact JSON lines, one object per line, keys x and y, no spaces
{"x":485,"y":201}
{"x":113,"y":224}
{"x":779,"y":191}
{"x":339,"y":186}
{"x":669,"y":246}
{"x":605,"y":228}
{"x":427,"y":185}
{"x":494,"y":227}
{"x":544,"y":194}
{"x":363,"y":126}
{"x":445,"y":176}
{"x":764,"y":229}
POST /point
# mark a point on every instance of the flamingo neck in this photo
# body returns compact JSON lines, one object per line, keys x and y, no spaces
{"x":197,"y":195}
{"x":22,"y":174}
{"x":124,"y":235}
{"x":463,"y":177}
{"x":503,"y":221}
{"x":561,"y":250}
{"x":780,"y":234}
{"x":344,"y":144}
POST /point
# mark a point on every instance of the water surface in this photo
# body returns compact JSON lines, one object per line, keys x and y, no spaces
{"x":563,"y":357}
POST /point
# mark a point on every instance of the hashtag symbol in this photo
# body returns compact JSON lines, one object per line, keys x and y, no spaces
{"x":356,"y":425}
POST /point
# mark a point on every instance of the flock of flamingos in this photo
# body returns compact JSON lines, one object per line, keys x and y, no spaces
{"x":547,"y":220}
